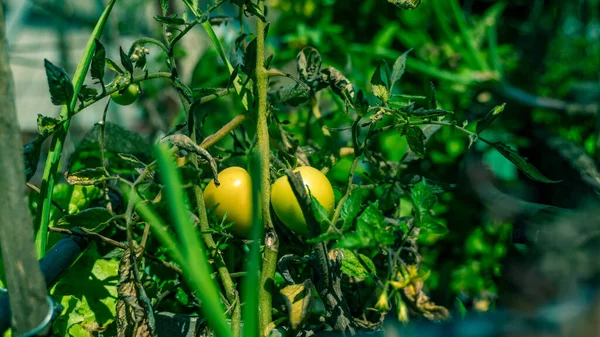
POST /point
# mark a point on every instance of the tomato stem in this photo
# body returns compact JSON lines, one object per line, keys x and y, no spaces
{"x":271,"y":239}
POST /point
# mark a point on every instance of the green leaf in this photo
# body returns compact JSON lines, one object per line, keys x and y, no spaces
{"x":112,"y":65}
{"x":31,"y":156}
{"x":522,"y":164}
{"x":125,"y":60}
{"x":329,"y":236}
{"x":86,"y":93}
{"x":250,"y":58}
{"x":98,"y":61}
{"x":380,"y":81}
{"x":460,"y":307}
{"x":253,"y":9}
{"x":293,"y":94}
{"x":361,"y":104}
{"x":95,"y":218}
{"x":353,"y":241}
{"x":416,"y":140}
{"x":432,"y":226}
{"x":61,"y":88}
{"x":351,"y":208}
{"x":398,"y":68}
{"x":171,"y":20}
{"x":423,"y":196}
{"x":489,"y":117}
{"x":86,"y":177}
{"x":353,"y":267}
{"x":46,"y":125}
{"x":319,"y":211}
{"x":89,"y":303}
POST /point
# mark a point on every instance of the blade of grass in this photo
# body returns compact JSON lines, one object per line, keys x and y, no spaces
{"x":449,"y":34}
{"x":492,"y":34}
{"x":196,"y":267}
{"x":251,"y":281}
{"x":42,"y":217}
{"x":466,"y":36}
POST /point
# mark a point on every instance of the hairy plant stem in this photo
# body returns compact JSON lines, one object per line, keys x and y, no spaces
{"x":226,"y":129}
{"x":262,"y":131}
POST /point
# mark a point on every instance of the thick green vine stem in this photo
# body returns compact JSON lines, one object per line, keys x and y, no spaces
{"x":262,"y":131}
{"x":42,"y":217}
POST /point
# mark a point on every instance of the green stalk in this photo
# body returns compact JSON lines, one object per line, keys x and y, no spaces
{"x":262,"y":131}
{"x":42,"y":217}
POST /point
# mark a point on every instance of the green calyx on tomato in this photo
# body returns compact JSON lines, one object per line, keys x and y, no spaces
{"x":126,"y":96}
{"x":232,"y":197}
{"x":286,"y":206}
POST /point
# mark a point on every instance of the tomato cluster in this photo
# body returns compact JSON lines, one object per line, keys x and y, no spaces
{"x":233,"y":198}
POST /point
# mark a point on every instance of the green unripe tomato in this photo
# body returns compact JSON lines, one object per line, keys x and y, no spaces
{"x":232,"y":197}
{"x":128,"y":96}
{"x":286,"y":206}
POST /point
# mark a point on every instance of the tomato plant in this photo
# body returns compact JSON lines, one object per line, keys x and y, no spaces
{"x":302,"y":173}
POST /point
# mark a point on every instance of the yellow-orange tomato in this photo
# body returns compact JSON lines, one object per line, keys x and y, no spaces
{"x":287,"y":207}
{"x":128,"y":96}
{"x":232,"y":197}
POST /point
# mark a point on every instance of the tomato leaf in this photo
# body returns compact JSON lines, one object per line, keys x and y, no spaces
{"x":423,"y":196}
{"x":351,"y":208}
{"x":125,"y":60}
{"x":98,"y":61}
{"x":522,"y":164}
{"x":59,"y":83}
{"x":46,"y":125}
{"x":308,"y":64}
{"x":319,"y":212}
{"x":31,"y":156}
{"x":416,"y":140}
{"x":112,"y":65}
{"x":352,"y":266}
{"x":91,"y":176}
{"x":380,"y":82}
{"x":95,"y":218}
{"x":489,"y":118}
{"x":398,"y":69}
{"x":171,"y":20}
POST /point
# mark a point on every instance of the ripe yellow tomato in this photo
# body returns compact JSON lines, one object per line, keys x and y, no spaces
{"x":287,"y":207}
{"x":233,"y":197}
{"x":128,"y":96}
